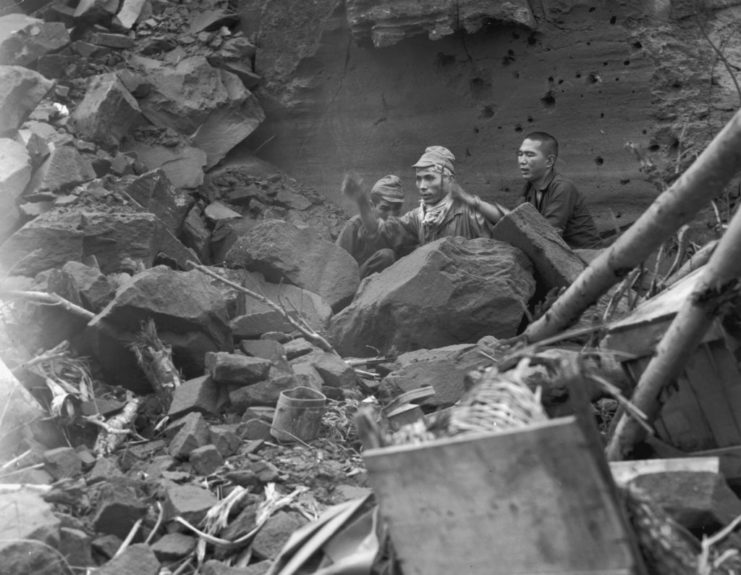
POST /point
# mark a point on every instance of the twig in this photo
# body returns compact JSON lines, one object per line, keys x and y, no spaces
{"x":17,"y":471}
{"x":129,"y":538}
{"x":15,"y":460}
{"x":43,"y":298}
{"x":160,"y":517}
{"x":302,"y":326}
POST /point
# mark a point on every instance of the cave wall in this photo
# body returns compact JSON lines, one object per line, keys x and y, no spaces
{"x":342,"y":93}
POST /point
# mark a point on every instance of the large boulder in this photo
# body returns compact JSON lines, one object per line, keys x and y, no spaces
{"x":107,"y":111}
{"x":284,"y":253}
{"x":198,"y":100}
{"x":21,"y":90}
{"x":74,"y":234}
{"x":190,"y":315}
{"x":15,"y":173}
{"x":23,"y":39}
{"x":450,"y":291}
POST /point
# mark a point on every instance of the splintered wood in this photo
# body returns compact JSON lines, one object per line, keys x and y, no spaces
{"x":529,"y":500}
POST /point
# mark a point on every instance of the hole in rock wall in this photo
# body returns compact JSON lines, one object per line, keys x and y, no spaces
{"x":549,"y":100}
{"x":599,"y":160}
{"x":487,"y":111}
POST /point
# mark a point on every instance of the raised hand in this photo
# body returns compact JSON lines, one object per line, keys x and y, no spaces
{"x":351,"y":186}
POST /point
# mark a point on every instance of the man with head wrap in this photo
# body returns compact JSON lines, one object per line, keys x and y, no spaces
{"x":445,"y":209}
{"x":372,"y":253}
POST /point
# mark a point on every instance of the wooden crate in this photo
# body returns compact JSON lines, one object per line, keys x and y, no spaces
{"x":525,"y":501}
{"x":702,"y":409}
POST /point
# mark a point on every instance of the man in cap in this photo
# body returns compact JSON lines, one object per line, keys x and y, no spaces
{"x":373,"y":253}
{"x":445,"y":209}
{"x":553,"y":195}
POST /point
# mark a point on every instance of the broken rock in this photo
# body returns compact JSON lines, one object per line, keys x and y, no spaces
{"x":274,"y":534}
{"x":449,"y":291}
{"x":130,"y":12}
{"x":173,"y":546}
{"x":93,"y":289}
{"x":192,"y":433}
{"x":284,"y":253}
{"x":64,"y":169}
{"x":118,"y":509}
{"x":236,"y":368}
{"x":23,"y":39}
{"x":15,"y":173}
{"x":138,"y":559}
{"x":21,"y":90}
{"x":198,"y":394}
{"x":189,"y":502}
{"x":205,"y":459}
{"x":556,"y":264}
{"x":183,"y":165}
{"x":107,"y":111}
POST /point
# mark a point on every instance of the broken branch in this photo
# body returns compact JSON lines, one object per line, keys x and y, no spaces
{"x":707,"y":176}
{"x":43,"y":298}
{"x":299,"y":324}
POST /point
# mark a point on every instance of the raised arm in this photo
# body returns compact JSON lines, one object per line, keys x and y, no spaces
{"x":493,"y":212}
{"x":352,"y":188}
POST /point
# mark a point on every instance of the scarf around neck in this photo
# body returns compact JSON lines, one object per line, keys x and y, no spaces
{"x":435,"y":215}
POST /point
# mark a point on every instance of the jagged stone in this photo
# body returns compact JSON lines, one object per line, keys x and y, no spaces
{"x":298,"y":347}
{"x":197,"y":99}
{"x":209,"y":20}
{"x":76,"y":546}
{"x":63,"y":462}
{"x":198,"y":394}
{"x":191,"y":434}
{"x":255,"y":429}
{"x":104,"y":469}
{"x":235,"y":55}
{"x":267,"y":349}
{"x":205,"y":459}
{"x":388,"y":22}
{"x":218,"y":211}
{"x":443,"y":368}
{"x":96,"y":11}
{"x":15,"y":173}
{"x":196,"y":235}
{"x":21,"y":90}
{"x":174,"y":546}
{"x":235,"y":368}
{"x":307,"y":373}
{"x":183,"y":164}
{"x":284,"y":253}
{"x":556,"y":264}
{"x":130,"y":12}
{"x":115,"y":41}
{"x":74,"y":234}
{"x":23,"y":39}
{"x":93,"y":289}
{"x":449,"y":291}
{"x":189,"y":502}
{"x":155,"y":193}
{"x":118,"y":509}
{"x":332,"y":369}
{"x":138,"y":559}
{"x":107,"y":111}
{"x":276,"y":531}
{"x":36,"y":146}
{"x":106,"y":545}
{"x":64,"y":169}
{"x":225,"y":438}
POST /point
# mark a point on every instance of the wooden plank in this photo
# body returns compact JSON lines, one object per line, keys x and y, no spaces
{"x":708,"y":383}
{"x":523,"y":501}
{"x":625,"y":471}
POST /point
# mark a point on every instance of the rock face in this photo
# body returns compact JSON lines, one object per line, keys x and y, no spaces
{"x":20,"y":92}
{"x":285,"y":253}
{"x":388,"y":22}
{"x":337,"y":102}
{"x":449,"y":291}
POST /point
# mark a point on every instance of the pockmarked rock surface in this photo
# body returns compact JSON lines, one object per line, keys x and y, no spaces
{"x":449,"y":291}
{"x":285,"y":253}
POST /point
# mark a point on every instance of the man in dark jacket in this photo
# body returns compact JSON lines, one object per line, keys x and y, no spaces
{"x":553,"y":195}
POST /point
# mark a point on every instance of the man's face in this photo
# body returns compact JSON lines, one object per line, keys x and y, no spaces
{"x":432,"y":185}
{"x":383,"y":209}
{"x":533,"y":162}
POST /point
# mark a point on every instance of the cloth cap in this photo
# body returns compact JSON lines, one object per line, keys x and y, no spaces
{"x":436,"y":156}
{"x":389,"y":188}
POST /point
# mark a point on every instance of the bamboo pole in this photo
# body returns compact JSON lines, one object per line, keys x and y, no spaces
{"x":719,"y":279}
{"x":707,"y":177}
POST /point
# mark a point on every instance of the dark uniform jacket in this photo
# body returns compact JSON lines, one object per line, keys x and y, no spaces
{"x":565,"y":209}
